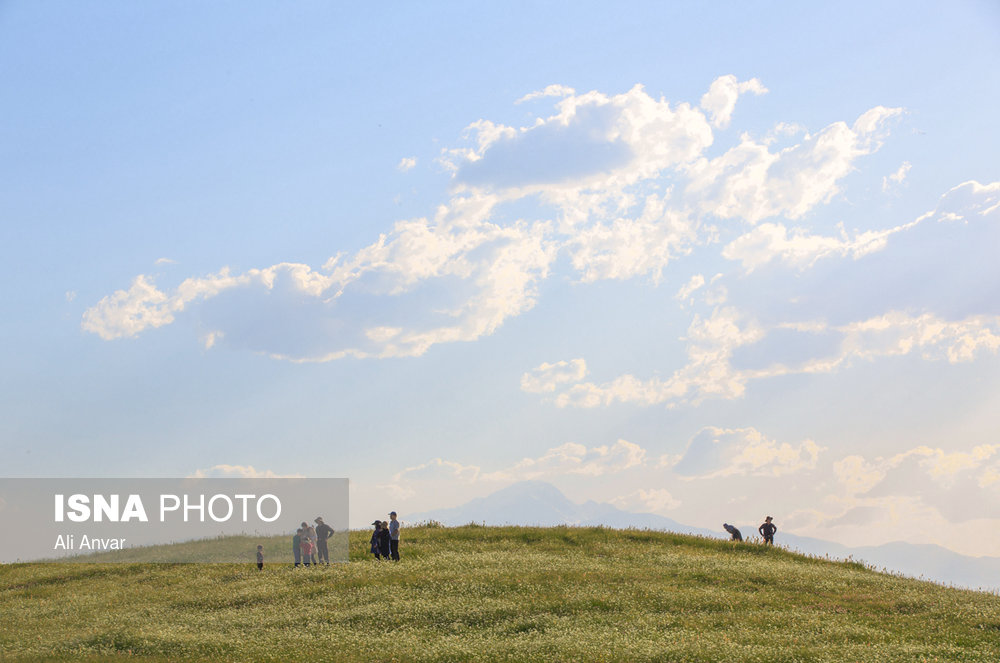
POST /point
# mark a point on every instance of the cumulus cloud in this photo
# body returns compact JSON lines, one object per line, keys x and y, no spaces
{"x":594,"y":142}
{"x":629,"y":247}
{"x":751,"y":183}
{"x":720,"y":100}
{"x":406,"y":163}
{"x":718,"y":452}
{"x":708,"y":373}
{"x":621,"y":183}
{"x":801,"y":249}
{"x":469,"y":274}
{"x":546,"y":377}
{"x":960,"y":484}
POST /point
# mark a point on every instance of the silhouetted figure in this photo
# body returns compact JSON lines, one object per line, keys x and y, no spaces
{"x":384,"y":541}
{"x":732,"y":530}
{"x":375,"y":539}
{"x":297,"y":546}
{"x":767,"y":530}
{"x":260,"y":558}
{"x":323,"y":532}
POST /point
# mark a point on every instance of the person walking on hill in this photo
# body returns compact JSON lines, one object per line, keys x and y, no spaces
{"x":732,"y":530}
{"x":767,"y":530}
{"x":393,"y":536}
{"x":323,"y":532}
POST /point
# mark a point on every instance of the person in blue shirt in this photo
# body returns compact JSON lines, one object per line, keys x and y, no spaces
{"x":394,"y":536}
{"x":732,"y":530}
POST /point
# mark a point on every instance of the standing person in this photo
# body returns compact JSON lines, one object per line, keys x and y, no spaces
{"x":767,"y":530}
{"x":306,"y":549}
{"x":393,"y":536}
{"x":732,"y":530}
{"x":311,"y":535}
{"x":323,"y":532}
{"x":384,"y":541}
{"x":260,"y":558}
{"x":375,"y":538}
{"x":297,"y":546}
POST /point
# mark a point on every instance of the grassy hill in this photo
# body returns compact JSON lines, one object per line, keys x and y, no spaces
{"x":498,"y":593}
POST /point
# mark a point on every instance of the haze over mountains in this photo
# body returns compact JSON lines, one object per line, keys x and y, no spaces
{"x":542,"y":504}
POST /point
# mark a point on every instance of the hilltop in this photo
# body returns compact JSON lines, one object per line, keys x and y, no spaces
{"x":499,"y":593}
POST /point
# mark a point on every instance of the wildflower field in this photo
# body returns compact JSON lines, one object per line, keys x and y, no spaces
{"x":497,"y":593}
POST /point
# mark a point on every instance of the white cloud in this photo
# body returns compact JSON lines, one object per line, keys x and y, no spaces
{"x":718,"y":452}
{"x":549,"y":91}
{"x":240,"y":471}
{"x":896,"y":333}
{"x":897,"y":177}
{"x":960,"y":484}
{"x":472,"y":274}
{"x":857,"y":474}
{"x":751,"y":183}
{"x":406,"y":163}
{"x":720,"y":100}
{"x":708,"y":373}
{"x":546,"y":377}
{"x":165,"y":261}
{"x":595,"y":142}
{"x":771,"y":241}
{"x":629,"y":247}
{"x":608,"y":164}
{"x":688,"y":289}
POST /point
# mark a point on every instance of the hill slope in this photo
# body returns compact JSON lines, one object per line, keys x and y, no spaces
{"x":542,"y":504}
{"x":498,"y":593}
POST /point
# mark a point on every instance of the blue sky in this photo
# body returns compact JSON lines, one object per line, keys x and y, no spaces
{"x":714,"y":262}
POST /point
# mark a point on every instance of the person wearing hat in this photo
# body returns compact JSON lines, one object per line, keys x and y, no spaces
{"x":376,"y":535}
{"x":394,"y":536}
{"x":323,"y":532}
{"x":767,"y":530}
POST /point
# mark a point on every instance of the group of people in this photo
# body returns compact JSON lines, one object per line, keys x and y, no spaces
{"x":385,"y":538}
{"x":309,"y":545}
{"x":766,"y":529}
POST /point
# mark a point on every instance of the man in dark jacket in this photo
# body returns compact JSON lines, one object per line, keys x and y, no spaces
{"x":767,"y":530}
{"x":323,"y":532}
{"x":384,"y":540}
{"x":376,"y":538}
{"x":732,"y":530}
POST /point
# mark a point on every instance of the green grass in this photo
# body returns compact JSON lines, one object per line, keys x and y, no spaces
{"x":513,"y":594}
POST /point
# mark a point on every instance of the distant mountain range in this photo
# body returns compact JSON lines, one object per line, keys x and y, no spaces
{"x":542,"y":504}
